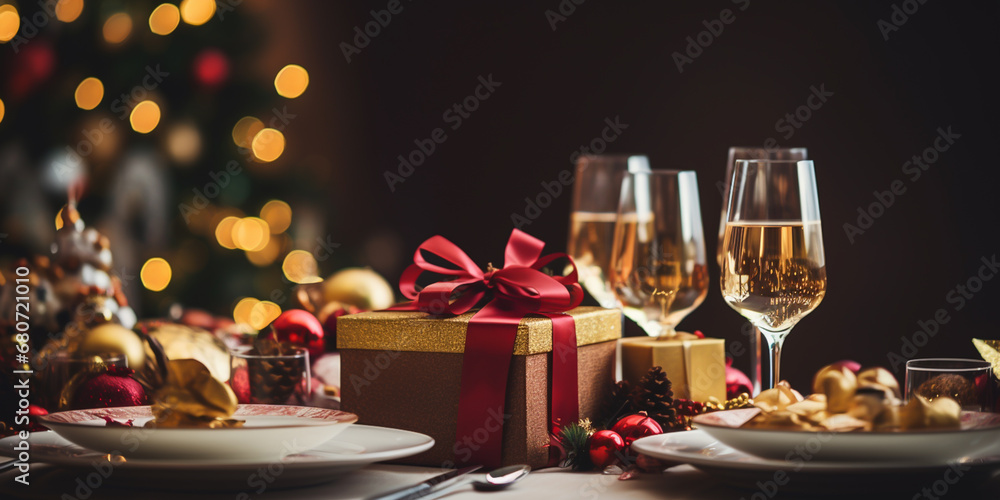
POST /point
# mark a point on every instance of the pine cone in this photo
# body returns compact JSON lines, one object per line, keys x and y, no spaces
{"x":619,"y":404}
{"x":654,"y":396}
{"x":273,"y":380}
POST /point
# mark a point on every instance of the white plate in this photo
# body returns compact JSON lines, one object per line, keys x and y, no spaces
{"x":270,"y":432}
{"x":979,"y":432}
{"x":806,"y":473}
{"x":357,"y":446}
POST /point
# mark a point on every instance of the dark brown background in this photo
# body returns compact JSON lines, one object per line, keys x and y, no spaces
{"x":614,"y":59}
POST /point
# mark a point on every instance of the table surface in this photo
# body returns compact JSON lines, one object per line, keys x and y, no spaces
{"x":681,"y":483}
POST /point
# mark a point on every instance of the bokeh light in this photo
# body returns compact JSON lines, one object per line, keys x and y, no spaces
{"x":155,"y":274}
{"x":117,"y":28}
{"x":68,"y":10}
{"x":251,"y":234}
{"x":1,"y":110}
{"x":197,"y":12}
{"x":263,"y":313}
{"x":291,"y":81}
{"x":89,"y":93}
{"x":74,"y":216}
{"x":183,"y":143}
{"x":245,"y":130}
{"x":145,"y":116}
{"x":224,"y":232}
{"x":10,"y":22}
{"x":241,"y":313}
{"x":300,"y":266}
{"x":278,"y":215}
{"x":267,"y":255}
{"x":164,"y":19}
{"x":268,"y":145}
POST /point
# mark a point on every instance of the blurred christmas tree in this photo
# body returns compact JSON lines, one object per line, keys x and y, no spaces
{"x":159,"y":114}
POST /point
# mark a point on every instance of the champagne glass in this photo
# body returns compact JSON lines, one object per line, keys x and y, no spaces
{"x":596,"y":189}
{"x":759,"y":153}
{"x":658,"y":258}
{"x":773,"y":270}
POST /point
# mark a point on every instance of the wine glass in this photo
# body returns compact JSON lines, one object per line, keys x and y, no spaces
{"x":773,"y":269}
{"x":658,"y":258}
{"x":596,"y":189}
{"x":744,"y":153}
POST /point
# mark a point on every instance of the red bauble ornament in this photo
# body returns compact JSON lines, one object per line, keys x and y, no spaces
{"x":737,"y":382}
{"x":605,"y":448}
{"x":636,"y":426}
{"x":116,"y":387}
{"x":300,"y":328}
{"x":211,"y":67}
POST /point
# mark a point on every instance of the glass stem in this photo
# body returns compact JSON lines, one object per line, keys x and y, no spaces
{"x":774,"y":341}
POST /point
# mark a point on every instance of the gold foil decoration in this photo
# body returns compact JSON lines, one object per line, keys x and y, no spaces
{"x":990,"y":351}
{"x":193,"y":398}
{"x":421,"y":332}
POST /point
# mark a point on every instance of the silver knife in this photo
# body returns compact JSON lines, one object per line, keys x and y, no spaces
{"x":425,"y":488}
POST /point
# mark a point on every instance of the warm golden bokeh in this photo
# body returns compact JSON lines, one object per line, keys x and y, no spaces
{"x":245,"y":130}
{"x":278,"y":215}
{"x":267,"y":255}
{"x":224,"y":232}
{"x":68,"y":10}
{"x":300,"y":266}
{"x":197,"y":12}
{"x":251,"y":234}
{"x":183,"y":143}
{"x":291,"y":81}
{"x":155,"y":274}
{"x":1,"y":110}
{"x":89,"y":93}
{"x":117,"y":28}
{"x":241,"y":313}
{"x":74,"y":216}
{"x":268,"y":145}
{"x":145,"y":117}
{"x":10,"y":22}
{"x":263,"y":313}
{"x":164,"y":19}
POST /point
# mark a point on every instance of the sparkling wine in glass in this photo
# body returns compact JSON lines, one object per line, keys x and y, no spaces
{"x":773,"y":268}
{"x":658,"y":259}
{"x":596,"y":189}
{"x":745,"y":153}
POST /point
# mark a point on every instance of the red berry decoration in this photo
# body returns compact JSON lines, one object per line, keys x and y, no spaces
{"x":605,"y":448}
{"x":114,"y":388}
{"x":636,"y":426}
{"x":737,"y":382}
{"x":302,"y":329}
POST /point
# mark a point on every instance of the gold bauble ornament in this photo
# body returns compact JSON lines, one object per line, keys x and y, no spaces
{"x":185,"y":342}
{"x":113,"y":338}
{"x":359,"y":287}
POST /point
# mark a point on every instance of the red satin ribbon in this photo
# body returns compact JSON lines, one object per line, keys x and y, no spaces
{"x":515,"y":290}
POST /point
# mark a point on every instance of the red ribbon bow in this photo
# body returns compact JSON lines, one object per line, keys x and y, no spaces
{"x":516,"y":289}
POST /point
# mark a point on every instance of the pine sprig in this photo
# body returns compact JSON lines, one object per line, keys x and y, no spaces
{"x":575,"y":439}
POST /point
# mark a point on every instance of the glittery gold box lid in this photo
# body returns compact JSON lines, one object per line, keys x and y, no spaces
{"x":417,"y":331}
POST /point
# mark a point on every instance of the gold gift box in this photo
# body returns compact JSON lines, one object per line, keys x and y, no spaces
{"x":403,"y":369}
{"x":695,"y":367}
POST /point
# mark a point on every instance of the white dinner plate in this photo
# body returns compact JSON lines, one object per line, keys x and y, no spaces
{"x":269,"y":432}
{"x":978,"y":433}
{"x":355,"y":447}
{"x":804,"y":472}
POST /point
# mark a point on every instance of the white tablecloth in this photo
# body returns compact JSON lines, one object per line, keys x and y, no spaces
{"x":681,"y":483}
